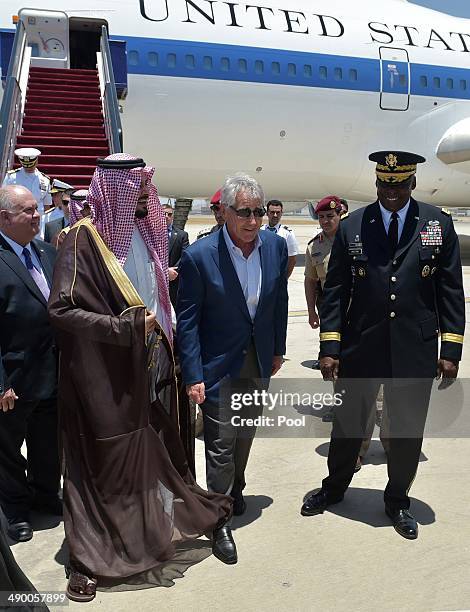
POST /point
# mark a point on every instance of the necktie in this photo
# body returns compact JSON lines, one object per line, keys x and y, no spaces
{"x":36,"y":275}
{"x":393,"y":233}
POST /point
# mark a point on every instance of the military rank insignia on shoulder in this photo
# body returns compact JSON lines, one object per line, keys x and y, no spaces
{"x":345,"y":216}
{"x":287,"y":228}
{"x":446,"y":211}
{"x":12,"y":171}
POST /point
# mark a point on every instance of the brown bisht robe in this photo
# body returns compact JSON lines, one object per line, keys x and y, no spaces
{"x":128,"y":494}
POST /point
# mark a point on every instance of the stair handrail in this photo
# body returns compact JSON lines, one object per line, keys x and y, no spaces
{"x":112,"y":119}
{"x":12,"y":103}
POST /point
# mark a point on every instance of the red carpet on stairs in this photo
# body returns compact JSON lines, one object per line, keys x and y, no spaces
{"x":64,"y":119}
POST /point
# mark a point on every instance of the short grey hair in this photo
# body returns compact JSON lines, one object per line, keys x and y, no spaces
{"x":241,"y":183}
{"x":5,"y":199}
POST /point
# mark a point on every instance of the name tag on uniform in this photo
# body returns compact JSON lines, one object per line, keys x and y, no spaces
{"x":432,"y":234}
{"x":355,"y":248}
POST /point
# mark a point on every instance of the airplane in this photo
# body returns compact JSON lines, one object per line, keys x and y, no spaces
{"x":295,"y":93}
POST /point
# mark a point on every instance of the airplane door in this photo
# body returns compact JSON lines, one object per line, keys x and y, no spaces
{"x":48,"y":36}
{"x":394,"y":79}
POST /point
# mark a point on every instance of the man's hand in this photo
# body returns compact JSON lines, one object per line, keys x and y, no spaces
{"x":172,"y":274}
{"x":277,"y":364}
{"x":7,"y":400}
{"x":447,"y":370}
{"x":150,"y":322}
{"x":314,"y":320}
{"x":329,"y":368}
{"x":197,"y":392}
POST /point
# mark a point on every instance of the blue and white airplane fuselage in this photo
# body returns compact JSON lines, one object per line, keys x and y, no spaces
{"x":297,"y":93}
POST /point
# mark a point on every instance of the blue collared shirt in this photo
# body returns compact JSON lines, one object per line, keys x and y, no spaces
{"x":387,"y":217}
{"x":248,"y":270}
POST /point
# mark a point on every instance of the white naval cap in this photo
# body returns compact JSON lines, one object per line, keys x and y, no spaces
{"x":58,"y":185}
{"x":80,"y":195}
{"x":27,"y":153}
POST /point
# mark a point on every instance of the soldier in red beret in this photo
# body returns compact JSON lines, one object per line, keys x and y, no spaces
{"x":219,"y":216}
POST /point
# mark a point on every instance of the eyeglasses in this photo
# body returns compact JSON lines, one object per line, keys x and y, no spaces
{"x":215,"y":207}
{"x":168,"y":214}
{"x":65,"y":202}
{"x":245,"y":213}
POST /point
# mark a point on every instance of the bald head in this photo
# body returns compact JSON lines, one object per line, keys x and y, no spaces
{"x":19,"y":217}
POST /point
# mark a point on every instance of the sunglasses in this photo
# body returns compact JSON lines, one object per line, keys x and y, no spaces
{"x":215,"y":207}
{"x":168,"y":214}
{"x":245,"y":213}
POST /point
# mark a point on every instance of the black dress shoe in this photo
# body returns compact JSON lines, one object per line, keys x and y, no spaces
{"x":223,"y":545}
{"x":317,"y":503}
{"x":19,"y":530}
{"x":404,"y":523}
{"x":52,"y":506}
{"x":315,"y":364}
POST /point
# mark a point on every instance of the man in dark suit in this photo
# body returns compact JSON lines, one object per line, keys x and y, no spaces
{"x":232,"y":322}
{"x":178,"y":240}
{"x":28,"y":374}
{"x":53,"y":228}
{"x":394,"y":284}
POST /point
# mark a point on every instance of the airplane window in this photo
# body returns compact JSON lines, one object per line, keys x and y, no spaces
{"x":308,"y":72}
{"x":190,"y":61}
{"x":353,"y":74}
{"x":133,"y":58}
{"x":242,"y":65}
{"x":259,"y":67}
{"x":323,"y":72}
{"x":291,"y":69}
{"x":171,"y":60}
{"x":450,"y":83}
{"x":436,"y":82}
{"x":276,"y":68}
{"x":338,"y":74}
{"x":424,"y":81}
{"x":403,"y":80}
{"x":152,"y":59}
{"x":463,"y":85}
{"x":207,"y":62}
{"x":225,"y":64}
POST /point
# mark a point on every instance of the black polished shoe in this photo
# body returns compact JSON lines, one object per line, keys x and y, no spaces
{"x":19,"y":530}
{"x":315,"y":364}
{"x":404,"y":523}
{"x":223,"y":545}
{"x":50,"y":506}
{"x":317,"y":503}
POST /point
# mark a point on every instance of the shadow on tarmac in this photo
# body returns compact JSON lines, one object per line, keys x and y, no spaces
{"x":255,"y":504}
{"x":375,"y":455}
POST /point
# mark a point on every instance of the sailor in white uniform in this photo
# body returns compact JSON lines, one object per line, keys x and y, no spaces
{"x":30,"y":177}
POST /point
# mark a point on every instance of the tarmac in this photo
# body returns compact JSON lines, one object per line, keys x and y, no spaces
{"x":348,"y":559}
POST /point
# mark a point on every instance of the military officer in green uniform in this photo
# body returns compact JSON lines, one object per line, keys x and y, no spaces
{"x":394,"y":285}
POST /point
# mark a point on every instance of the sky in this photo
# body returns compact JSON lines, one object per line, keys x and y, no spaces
{"x":459,"y":8}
